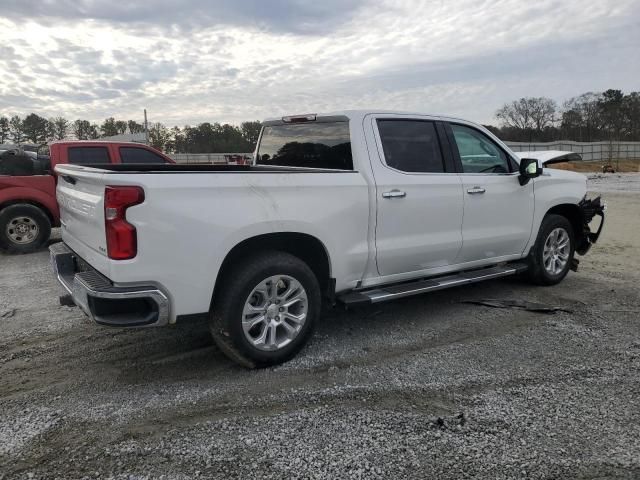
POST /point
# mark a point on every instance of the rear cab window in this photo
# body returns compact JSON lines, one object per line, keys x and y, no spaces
{"x":325,"y":145}
{"x":88,"y":155}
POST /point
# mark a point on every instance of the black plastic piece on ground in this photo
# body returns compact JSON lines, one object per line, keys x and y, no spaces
{"x":67,"y":300}
{"x":574,"y":264}
{"x":521,"y":305}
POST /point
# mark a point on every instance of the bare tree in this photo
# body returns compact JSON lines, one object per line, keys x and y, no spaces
{"x":16,"y":128}
{"x":516,"y":114}
{"x":93,"y":132}
{"x":631,"y":114}
{"x":531,"y":113}
{"x":584,"y":114}
{"x":82,"y":129}
{"x":109,"y":128}
{"x":135,"y":127}
{"x":59,"y":128}
{"x":121,"y":126}
{"x":4,"y":129}
{"x":159,"y":136}
{"x":35,"y":128}
{"x":251,"y":132}
{"x":543,"y":112}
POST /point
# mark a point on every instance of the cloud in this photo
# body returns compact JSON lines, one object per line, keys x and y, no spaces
{"x":278,"y":15}
{"x":187,"y":62}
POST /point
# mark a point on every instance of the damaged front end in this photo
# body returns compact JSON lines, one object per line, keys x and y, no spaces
{"x":589,"y":209}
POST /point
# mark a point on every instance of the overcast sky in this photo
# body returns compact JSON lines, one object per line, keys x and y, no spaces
{"x":189,"y":61}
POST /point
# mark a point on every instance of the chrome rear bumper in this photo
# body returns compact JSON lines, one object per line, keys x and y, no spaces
{"x":106,"y":304}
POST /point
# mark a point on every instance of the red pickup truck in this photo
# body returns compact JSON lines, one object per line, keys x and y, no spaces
{"x":28,"y":206}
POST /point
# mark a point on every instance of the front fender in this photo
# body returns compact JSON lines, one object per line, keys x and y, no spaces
{"x":552,"y":189}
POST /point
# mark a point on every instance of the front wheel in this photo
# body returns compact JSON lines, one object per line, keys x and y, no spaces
{"x":23,"y":228}
{"x":552,"y":254}
{"x":266,"y":309}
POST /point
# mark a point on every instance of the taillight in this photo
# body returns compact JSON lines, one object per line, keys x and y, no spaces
{"x":122,"y":240}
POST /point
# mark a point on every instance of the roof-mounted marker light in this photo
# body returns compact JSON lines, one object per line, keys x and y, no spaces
{"x":300,"y":118}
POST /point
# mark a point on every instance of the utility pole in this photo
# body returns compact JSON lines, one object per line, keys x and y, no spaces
{"x":146,"y":128}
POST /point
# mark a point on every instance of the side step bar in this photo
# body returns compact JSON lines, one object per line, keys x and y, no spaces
{"x":416,"y":287}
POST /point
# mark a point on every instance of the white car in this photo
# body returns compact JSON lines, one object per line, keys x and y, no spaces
{"x":351,"y":207}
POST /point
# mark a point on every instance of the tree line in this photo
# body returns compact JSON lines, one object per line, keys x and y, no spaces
{"x":203,"y":138}
{"x":605,"y":116}
{"x":611,"y":115}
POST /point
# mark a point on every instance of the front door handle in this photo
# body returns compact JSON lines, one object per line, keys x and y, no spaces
{"x":476,"y":190}
{"x":394,"y":194}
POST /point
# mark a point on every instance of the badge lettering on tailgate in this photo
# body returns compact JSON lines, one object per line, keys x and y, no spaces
{"x":76,"y":205}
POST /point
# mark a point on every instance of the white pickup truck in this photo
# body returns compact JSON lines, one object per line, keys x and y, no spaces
{"x":351,"y":207}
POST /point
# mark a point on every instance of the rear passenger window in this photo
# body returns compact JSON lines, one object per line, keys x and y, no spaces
{"x":411,"y":146}
{"x":139,"y":155}
{"x":88,"y":155}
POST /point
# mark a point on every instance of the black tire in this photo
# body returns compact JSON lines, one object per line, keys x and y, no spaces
{"x":537,"y":272}
{"x":225,"y":322}
{"x":11,"y":242}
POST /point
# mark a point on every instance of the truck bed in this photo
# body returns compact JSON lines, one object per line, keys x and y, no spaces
{"x":191,"y":213}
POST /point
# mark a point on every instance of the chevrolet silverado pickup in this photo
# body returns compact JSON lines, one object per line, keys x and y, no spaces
{"x":28,"y":207}
{"x":352,"y":207}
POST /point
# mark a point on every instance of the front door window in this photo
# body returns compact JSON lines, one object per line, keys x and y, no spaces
{"x":478,"y":154}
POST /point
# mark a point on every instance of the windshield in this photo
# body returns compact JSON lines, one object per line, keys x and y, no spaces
{"x":310,"y":145}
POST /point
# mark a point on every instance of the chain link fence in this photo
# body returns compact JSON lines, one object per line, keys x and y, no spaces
{"x":590,"y":151}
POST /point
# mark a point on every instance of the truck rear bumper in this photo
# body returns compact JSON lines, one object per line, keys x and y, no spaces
{"x":106,"y":304}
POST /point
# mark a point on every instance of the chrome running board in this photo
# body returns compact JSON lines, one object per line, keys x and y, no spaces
{"x":416,"y":287}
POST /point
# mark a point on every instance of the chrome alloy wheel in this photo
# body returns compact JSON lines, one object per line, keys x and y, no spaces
{"x":275,"y":312}
{"x":557,"y":248}
{"x":22,"y":230}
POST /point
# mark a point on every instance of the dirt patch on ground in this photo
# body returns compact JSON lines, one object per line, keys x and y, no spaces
{"x":427,"y":387}
{"x":619,"y":166}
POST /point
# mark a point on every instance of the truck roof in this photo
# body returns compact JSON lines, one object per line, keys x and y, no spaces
{"x":358,"y":114}
{"x":96,"y":142}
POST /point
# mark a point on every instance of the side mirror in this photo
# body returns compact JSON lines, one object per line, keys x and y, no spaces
{"x":529,"y":169}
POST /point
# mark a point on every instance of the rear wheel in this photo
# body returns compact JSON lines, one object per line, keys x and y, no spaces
{"x":552,"y":254}
{"x":24,"y":228}
{"x":266,"y":309}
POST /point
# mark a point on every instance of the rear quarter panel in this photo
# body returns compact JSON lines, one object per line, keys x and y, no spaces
{"x":190,"y":221}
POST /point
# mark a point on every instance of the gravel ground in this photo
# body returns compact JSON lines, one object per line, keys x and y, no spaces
{"x":426,"y":387}
{"x":617,"y":182}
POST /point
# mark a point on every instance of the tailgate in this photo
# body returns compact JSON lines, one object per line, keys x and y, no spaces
{"x":80,"y":194}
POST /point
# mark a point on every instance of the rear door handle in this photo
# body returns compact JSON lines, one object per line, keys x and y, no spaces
{"x":394,"y":194}
{"x":476,"y":190}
